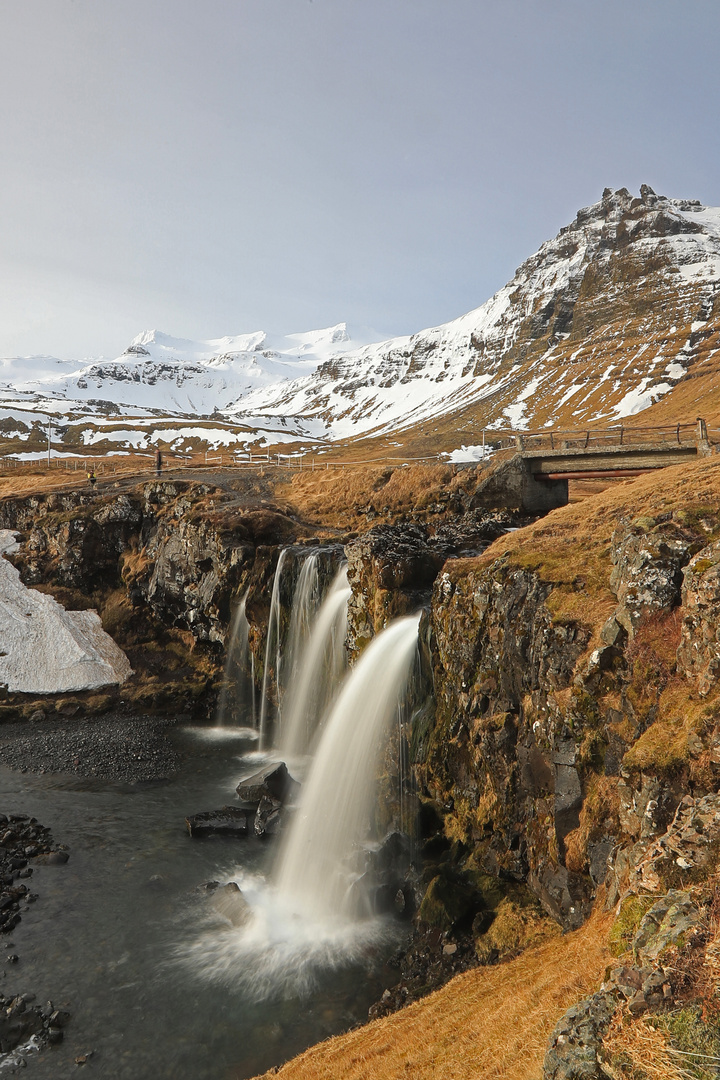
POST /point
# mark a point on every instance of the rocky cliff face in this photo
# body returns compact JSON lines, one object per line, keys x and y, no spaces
{"x":163,"y":564}
{"x":575,"y":701}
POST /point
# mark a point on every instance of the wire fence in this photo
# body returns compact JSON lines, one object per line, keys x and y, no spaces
{"x":490,"y":441}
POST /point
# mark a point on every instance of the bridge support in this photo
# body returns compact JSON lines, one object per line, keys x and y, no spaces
{"x":541,"y":496}
{"x":511,"y":484}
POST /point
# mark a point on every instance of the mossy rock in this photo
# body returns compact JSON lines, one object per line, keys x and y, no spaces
{"x":644,"y":523}
{"x":622,"y":932}
{"x":447,"y":903}
{"x":492,"y":890}
{"x":518,"y":921}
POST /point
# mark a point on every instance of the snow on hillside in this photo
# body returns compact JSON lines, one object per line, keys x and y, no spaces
{"x":170,"y":375}
{"x":492,"y":352}
{"x":604,"y":319}
{"x":46,"y":649}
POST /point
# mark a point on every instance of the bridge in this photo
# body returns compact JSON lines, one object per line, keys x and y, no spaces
{"x":536,"y":477}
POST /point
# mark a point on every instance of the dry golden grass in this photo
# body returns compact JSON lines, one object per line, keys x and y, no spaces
{"x":337,"y":497}
{"x":492,"y":1022}
{"x":36,"y":477}
{"x":599,"y":814}
{"x":642,"y":1050}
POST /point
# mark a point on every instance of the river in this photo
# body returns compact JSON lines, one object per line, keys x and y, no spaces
{"x":102,"y":939}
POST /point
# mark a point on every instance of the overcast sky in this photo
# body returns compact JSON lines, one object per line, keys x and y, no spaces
{"x":210,"y":167}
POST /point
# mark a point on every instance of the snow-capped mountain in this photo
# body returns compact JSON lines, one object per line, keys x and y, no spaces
{"x":603,"y":321}
{"x":174,"y":375}
{"x":157,"y":378}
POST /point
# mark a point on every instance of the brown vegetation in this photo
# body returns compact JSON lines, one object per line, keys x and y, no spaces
{"x":354,"y":497}
{"x":493,"y":1022}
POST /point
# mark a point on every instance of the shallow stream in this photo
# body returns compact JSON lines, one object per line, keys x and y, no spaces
{"x":102,"y":939}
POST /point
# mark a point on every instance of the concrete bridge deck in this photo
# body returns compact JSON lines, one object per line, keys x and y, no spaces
{"x":536,"y":478}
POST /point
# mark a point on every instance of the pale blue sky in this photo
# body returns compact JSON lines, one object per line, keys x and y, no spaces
{"x":215,"y":167}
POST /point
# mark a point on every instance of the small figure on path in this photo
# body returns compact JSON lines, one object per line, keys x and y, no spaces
{"x":92,"y":479}
{"x":158,"y":463}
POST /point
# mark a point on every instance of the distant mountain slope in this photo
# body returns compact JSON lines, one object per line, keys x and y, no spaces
{"x":618,"y":314}
{"x":602,"y":321}
{"x":158,"y":378}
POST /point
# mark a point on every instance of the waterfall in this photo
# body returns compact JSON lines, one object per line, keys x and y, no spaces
{"x":237,"y":697}
{"x":336,"y":801}
{"x":313,"y":683}
{"x":306,"y":599}
{"x":272,"y":644}
{"x":305,"y":920}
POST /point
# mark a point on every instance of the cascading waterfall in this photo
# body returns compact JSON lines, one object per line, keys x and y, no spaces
{"x":306,"y":600}
{"x":287,"y":929}
{"x":272,"y":648}
{"x":336,"y":799}
{"x":237,"y":698}
{"x":314,"y":682}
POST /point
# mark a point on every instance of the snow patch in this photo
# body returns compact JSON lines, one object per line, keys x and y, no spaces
{"x":46,"y":649}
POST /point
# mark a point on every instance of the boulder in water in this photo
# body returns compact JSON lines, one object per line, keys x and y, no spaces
{"x":229,"y":821}
{"x":272,"y":782}
{"x":229,"y":902}
{"x":267,"y":817}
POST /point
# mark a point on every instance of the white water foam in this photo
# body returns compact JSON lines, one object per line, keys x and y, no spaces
{"x":274,"y":938}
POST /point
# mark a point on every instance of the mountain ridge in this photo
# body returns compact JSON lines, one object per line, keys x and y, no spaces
{"x":604,"y":321}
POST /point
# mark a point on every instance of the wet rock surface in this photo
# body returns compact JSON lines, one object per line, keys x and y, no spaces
{"x":125,"y":748}
{"x":228,"y":821}
{"x":265,"y":795}
{"x":24,"y":1025}
{"x":432,"y":959}
{"x":272,"y":782}
{"x":24,"y":842}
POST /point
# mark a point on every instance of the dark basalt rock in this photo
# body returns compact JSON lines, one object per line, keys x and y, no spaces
{"x":229,"y":902}
{"x":391,"y":569}
{"x":22,"y":838}
{"x":52,"y":858}
{"x":390,"y":883}
{"x":18,"y":1022}
{"x":229,"y":821}
{"x":273,"y":782}
{"x":576,"y":1042}
{"x":268,"y":817}
{"x":648,"y":562}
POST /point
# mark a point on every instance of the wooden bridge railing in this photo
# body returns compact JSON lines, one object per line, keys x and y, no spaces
{"x":618,"y":435}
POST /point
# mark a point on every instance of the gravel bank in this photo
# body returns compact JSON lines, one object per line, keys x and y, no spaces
{"x":125,"y":748}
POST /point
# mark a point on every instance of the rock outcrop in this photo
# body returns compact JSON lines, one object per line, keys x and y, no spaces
{"x":648,"y":561}
{"x":698,"y":653}
{"x":508,"y":782}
